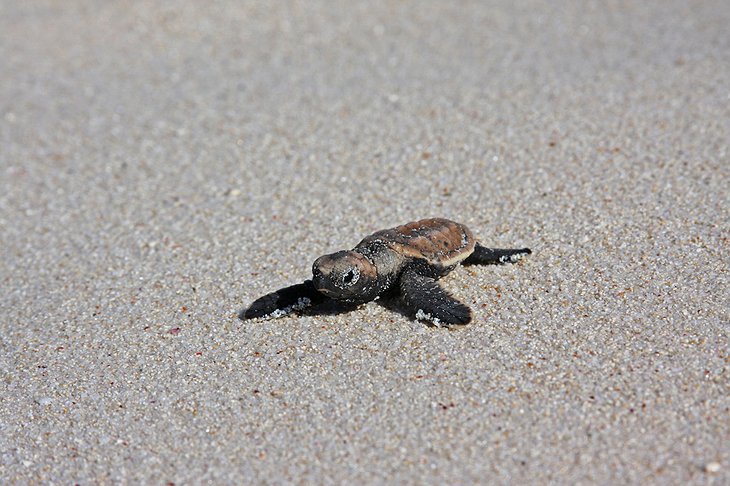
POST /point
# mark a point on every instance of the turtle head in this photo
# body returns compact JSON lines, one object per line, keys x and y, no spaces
{"x":345,"y":275}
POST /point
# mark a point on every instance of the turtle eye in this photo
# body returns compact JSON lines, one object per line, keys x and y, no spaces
{"x":351,"y":276}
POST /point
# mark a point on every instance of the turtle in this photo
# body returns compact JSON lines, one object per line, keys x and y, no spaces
{"x":407,"y":260}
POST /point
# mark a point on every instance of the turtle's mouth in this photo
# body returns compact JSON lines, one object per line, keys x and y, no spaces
{"x":319,"y":284}
{"x":325,"y":291}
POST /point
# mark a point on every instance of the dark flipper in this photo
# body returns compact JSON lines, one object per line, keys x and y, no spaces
{"x":284,"y":301}
{"x":495,"y":256}
{"x":429,"y":301}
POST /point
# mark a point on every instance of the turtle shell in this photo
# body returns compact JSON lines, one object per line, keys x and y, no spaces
{"x":440,"y":242}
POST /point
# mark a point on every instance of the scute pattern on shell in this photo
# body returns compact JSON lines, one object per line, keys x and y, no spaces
{"x":438,"y":241}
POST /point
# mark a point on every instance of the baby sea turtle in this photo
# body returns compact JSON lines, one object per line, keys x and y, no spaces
{"x":408,"y":259}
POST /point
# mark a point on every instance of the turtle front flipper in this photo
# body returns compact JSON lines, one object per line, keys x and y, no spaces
{"x":495,"y":256}
{"x":284,"y":301}
{"x":427,"y":300}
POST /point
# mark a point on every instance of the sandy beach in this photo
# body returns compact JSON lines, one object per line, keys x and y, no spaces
{"x":162,"y":166}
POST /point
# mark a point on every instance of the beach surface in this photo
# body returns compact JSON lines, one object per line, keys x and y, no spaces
{"x":162,"y":166}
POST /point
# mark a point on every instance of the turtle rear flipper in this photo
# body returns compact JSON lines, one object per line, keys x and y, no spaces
{"x":284,"y":301}
{"x":495,"y":256}
{"x":427,"y":300}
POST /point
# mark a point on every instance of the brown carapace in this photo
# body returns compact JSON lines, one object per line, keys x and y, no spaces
{"x":408,"y":259}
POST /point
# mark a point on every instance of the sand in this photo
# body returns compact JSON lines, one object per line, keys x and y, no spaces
{"x":163,"y":166}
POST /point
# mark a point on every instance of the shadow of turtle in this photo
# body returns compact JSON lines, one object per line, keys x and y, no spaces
{"x":390,"y":302}
{"x":394,"y":303}
{"x":330,"y":307}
